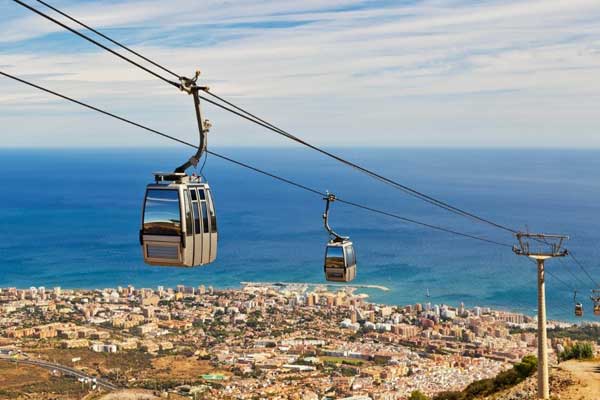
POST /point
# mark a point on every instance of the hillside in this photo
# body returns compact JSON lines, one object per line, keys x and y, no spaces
{"x":571,"y":380}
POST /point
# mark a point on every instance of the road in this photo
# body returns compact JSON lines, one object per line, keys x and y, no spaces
{"x":62,"y":368}
{"x":587,"y":374}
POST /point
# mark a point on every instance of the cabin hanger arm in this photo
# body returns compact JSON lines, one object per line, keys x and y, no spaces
{"x":189,"y":86}
{"x":335,"y":237}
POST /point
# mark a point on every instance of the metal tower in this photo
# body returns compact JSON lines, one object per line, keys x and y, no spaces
{"x":544,"y":248}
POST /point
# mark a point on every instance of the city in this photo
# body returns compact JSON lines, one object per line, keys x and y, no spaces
{"x":354,"y":200}
{"x":259,"y":341}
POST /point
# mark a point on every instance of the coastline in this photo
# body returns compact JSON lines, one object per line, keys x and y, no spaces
{"x":349,"y":288}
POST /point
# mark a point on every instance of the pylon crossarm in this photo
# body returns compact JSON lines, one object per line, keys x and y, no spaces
{"x":547,"y":246}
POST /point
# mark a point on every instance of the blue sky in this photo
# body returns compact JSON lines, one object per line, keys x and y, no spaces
{"x":339,"y":72}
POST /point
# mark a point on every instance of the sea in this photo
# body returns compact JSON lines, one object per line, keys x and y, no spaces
{"x":70,"y":218}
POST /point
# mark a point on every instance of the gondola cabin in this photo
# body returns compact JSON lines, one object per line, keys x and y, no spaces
{"x":340,"y":261}
{"x":179,"y":224}
{"x":595,"y":297}
{"x":579,"y":310}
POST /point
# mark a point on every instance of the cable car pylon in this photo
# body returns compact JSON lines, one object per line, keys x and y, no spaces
{"x":545,"y":247}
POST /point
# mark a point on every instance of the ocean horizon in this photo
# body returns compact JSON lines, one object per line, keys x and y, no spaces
{"x":70,"y":218}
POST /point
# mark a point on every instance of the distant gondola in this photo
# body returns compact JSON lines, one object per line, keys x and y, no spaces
{"x":340,"y":261}
{"x":579,"y":310}
{"x":596,"y":300}
{"x":578,"y":305}
{"x":340,"y":257}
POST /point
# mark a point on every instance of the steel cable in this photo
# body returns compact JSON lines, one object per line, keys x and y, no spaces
{"x":40,"y":13}
{"x":281,"y":179}
{"x":255,"y":119}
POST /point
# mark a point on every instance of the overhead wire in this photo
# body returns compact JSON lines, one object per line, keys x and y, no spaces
{"x":570,"y":271}
{"x":64,"y":14}
{"x":566,"y":304}
{"x":44,"y":15}
{"x":421,"y":223}
{"x":248,"y":166}
{"x":255,"y":119}
{"x":203,"y":164}
{"x":554,"y":276}
{"x":583,"y":269}
{"x":243,"y":113}
{"x":412,"y":192}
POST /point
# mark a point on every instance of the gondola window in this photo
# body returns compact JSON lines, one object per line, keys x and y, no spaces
{"x":161,"y":213}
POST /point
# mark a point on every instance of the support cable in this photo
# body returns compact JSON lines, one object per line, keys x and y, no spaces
{"x":40,"y":13}
{"x":554,"y":276}
{"x":583,"y":269}
{"x":576,"y":277}
{"x":281,"y":179}
{"x":412,"y":192}
{"x":64,"y":14}
{"x":259,"y":121}
{"x":421,"y":223}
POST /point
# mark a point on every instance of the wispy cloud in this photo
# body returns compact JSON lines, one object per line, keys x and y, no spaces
{"x":498,"y":73}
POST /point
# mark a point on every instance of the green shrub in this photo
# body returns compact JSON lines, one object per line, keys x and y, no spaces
{"x":578,"y":351}
{"x":417,"y":395}
{"x":526,"y":367}
{"x":485,"y":387}
{"x":507,"y":378}
{"x":449,"y":396}
{"x":479,"y":388}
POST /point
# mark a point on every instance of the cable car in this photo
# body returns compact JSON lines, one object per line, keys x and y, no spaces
{"x":179,"y":223}
{"x":578,"y":310}
{"x":596,"y":300}
{"x":578,"y":305}
{"x":340,"y":261}
{"x":340,"y":257}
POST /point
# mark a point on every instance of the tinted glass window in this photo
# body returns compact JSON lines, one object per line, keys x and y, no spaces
{"x":196,"y":218}
{"x":350,"y":255}
{"x":213,"y":216}
{"x":193,"y":193}
{"x":161,"y":213}
{"x":204,"y":217}
{"x":334,"y":257}
{"x":188,"y":214}
{"x":201,"y":193}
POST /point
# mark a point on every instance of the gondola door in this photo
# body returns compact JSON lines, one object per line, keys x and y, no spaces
{"x":187,"y":238}
{"x":212,"y":219}
{"x":205,"y":236}
{"x":197,"y":225}
{"x":204,"y":225}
